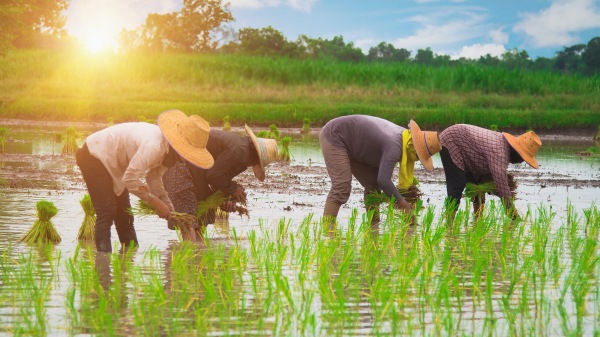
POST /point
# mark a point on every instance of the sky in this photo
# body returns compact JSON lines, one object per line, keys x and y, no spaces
{"x":459,"y":28}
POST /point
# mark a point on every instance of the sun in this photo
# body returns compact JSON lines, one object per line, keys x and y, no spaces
{"x":95,"y":24}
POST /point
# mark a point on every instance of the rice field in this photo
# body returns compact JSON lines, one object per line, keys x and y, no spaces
{"x":490,"y":277}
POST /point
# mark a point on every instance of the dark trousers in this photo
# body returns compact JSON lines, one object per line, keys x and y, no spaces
{"x":456,"y":179}
{"x":110,"y":208}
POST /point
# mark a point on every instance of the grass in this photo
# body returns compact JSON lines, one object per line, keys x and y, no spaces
{"x":260,"y":90}
{"x":489,"y":277}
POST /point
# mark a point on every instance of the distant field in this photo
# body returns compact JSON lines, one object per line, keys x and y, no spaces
{"x":256,"y":90}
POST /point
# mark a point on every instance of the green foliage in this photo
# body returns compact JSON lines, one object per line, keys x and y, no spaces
{"x":306,"y":125}
{"x":494,"y":127}
{"x":70,"y":136}
{"x":186,"y":30}
{"x":43,"y":230}
{"x":261,"y":90}
{"x":262,"y":134}
{"x":284,"y":153}
{"x":3,"y":132}
{"x":87,"y":231}
{"x":226,"y":125}
{"x":273,"y":132}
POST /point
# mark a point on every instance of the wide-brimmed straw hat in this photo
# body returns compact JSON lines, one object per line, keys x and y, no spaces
{"x":426,"y":143}
{"x":527,"y":145}
{"x":188,"y":136}
{"x":267,"y":152}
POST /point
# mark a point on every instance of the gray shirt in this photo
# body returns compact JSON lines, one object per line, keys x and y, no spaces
{"x":370,"y":140}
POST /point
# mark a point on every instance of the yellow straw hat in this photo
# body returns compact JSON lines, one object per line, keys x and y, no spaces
{"x":427,"y":143}
{"x":266,"y":149}
{"x":527,"y":145}
{"x":188,"y":136}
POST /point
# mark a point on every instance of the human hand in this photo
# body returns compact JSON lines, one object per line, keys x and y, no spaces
{"x":162,"y":210}
{"x":228,"y":206}
{"x":407,"y":209}
{"x":239,"y":194}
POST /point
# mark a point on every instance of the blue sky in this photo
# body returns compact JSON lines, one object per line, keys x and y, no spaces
{"x":454,"y":27}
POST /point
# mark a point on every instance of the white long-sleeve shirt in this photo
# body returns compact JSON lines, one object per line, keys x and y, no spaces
{"x":133,"y":154}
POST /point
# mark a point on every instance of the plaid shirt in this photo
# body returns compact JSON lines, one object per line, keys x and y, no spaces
{"x":481,"y":152}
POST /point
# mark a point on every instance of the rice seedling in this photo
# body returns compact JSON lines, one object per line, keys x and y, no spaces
{"x":273,"y":132}
{"x":597,"y":136}
{"x":494,"y":127}
{"x":306,"y":125}
{"x":88,"y":226}
{"x":43,"y":230}
{"x":70,"y":137}
{"x":284,"y":154}
{"x":110,"y":121}
{"x":3,"y":132}
{"x":226,"y":125}
{"x":262,"y":134}
{"x":182,"y":221}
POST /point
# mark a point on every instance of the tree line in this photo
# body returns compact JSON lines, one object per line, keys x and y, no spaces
{"x":202,"y":26}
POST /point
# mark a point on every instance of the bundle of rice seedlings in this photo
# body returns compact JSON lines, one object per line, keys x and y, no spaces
{"x":494,"y":127}
{"x":182,"y":221}
{"x":70,"y":141}
{"x":412,"y":194}
{"x":284,"y":154}
{"x":226,"y":125}
{"x":262,"y":134}
{"x":478,"y":191}
{"x":489,"y":187}
{"x":306,"y":125}
{"x":213,"y":203}
{"x":3,"y":132}
{"x":43,"y":230}
{"x":88,"y":226}
{"x":597,"y":137}
{"x":273,"y":132}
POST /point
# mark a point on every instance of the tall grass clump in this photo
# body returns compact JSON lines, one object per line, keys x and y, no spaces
{"x":306,"y":125}
{"x":273,"y":132}
{"x":226,"y":125}
{"x":70,"y":145}
{"x":284,"y":154}
{"x":3,"y":132}
{"x":88,"y":226}
{"x":43,"y":230}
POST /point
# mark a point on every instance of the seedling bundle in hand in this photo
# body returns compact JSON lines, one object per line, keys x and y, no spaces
{"x":183,"y":221}
{"x":88,"y":226}
{"x":43,"y":230}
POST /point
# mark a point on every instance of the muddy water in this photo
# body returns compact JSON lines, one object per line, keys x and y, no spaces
{"x":33,"y":169}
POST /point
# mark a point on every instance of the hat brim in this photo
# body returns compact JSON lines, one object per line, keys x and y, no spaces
{"x":418,"y":138}
{"x":514,"y":143}
{"x":168,"y":122}
{"x":259,"y":174}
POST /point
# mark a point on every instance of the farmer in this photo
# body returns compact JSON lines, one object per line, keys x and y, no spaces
{"x":476,"y":155}
{"x":188,"y":184}
{"x":369,"y":148}
{"x":131,"y":157}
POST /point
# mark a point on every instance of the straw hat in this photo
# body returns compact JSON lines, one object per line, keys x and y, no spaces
{"x":188,"y":136}
{"x":426,"y":144}
{"x":527,"y":145}
{"x":267,"y":152}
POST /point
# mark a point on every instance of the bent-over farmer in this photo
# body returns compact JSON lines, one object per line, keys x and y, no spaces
{"x":132,"y":157}
{"x":369,"y":148}
{"x":188,"y":184}
{"x":471,"y":154}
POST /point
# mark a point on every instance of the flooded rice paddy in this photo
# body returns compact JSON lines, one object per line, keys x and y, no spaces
{"x":282,"y":272}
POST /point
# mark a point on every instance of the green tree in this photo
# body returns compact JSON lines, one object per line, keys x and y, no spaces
{"x":516,"y":59}
{"x":424,"y":56}
{"x":591,"y":55}
{"x":569,"y":59}
{"x":265,"y":41}
{"x":335,"y":49}
{"x":24,"y":23}
{"x":187,"y":30}
{"x":386,"y":52}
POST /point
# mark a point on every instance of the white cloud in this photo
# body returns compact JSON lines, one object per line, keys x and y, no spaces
{"x":477,"y":50}
{"x":438,"y":31}
{"x":558,"y":24}
{"x":301,"y":5}
{"x":498,"y":36}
